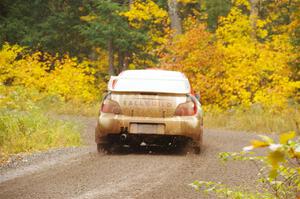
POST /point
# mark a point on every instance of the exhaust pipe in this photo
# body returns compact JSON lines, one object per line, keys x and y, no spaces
{"x":123,"y":137}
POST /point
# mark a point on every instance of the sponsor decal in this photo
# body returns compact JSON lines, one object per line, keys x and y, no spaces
{"x":147,"y":103}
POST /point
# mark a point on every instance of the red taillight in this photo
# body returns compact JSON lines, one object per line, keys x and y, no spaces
{"x":114,"y":82}
{"x":110,"y":106}
{"x":186,"y":109}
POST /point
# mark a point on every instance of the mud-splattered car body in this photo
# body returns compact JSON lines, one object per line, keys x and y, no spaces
{"x":149,"y":107}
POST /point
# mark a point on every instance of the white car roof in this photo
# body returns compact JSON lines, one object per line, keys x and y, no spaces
{"x":154,"y":81}
{"x":153,"y":74}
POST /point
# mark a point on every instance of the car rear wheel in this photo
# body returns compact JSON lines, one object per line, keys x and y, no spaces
{"x":104,"y":148}
{"x":193,"y":147}
{"x":197,"y":149}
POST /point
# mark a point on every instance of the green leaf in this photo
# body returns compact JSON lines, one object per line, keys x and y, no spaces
{"x":273,"y":173}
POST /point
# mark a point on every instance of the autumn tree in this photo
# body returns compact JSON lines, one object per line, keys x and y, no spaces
{"x":148,"y":17}
{"x":195,"y":54}
{"x":214,"y":10}
{"x":105,"y":27}
{"x":231,"y":68}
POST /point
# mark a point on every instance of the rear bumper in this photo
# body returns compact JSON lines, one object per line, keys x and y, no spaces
{"x":188,"y":126}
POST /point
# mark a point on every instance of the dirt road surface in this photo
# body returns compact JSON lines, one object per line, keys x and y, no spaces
{"x":83,"y":173}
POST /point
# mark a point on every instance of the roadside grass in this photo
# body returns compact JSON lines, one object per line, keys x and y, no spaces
{"x":28,"y":121}
{"x":57,"y":106}
{"x":255,"y":119}
{"x":34,"y":131}
{"x":24,"y":99}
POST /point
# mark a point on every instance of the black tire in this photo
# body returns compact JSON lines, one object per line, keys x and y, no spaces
{"x":103,"y":148}
{"x":193,"y":148}
{"x":197,"y":150}
{"x":109,"y":148}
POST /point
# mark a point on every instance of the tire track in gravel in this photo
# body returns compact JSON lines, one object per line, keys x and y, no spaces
{"x":127,"y":185}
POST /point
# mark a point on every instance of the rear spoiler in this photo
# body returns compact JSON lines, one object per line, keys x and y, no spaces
{"x":110,"y":85}
{"x":114,"y":79}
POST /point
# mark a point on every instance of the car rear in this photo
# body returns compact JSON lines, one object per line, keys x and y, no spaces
{"x":149,"y":108}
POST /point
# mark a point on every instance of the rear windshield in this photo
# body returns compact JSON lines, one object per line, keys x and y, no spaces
{"x":152,"y":85}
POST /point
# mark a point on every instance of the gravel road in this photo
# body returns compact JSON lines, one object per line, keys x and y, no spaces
{"x":83,"y":173}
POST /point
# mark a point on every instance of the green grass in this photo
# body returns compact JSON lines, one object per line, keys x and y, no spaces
{"x":70,"y":108}
{"x":34,"y":131}
{"x":22,"y":99}
{"x":255,"y":119}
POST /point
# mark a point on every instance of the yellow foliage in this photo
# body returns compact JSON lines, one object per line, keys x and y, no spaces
{"x":193,"y":54}
{"x":285,"y":137}
{"x":256,"y":72}
{"x":88,"y":18}
{"x":72,"y":81}
{"x":8,"y":54}
{"x":231,"y":68}
{"x":148,"y":15}
{"x":65,"y":77}
{"x":187,"y":1}
{"x":141,"y":11}
{"x":258,"y":143}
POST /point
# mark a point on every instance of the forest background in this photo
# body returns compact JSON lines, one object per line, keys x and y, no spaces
{"x":243,"y":56}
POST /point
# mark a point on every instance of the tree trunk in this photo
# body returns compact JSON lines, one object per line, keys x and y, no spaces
{"x":124,"y":57}
{"x":93,"y":55}
{"x":253,"y":17}
{"x":174,"y":17}
{"x":126,"y":61}
{"x":130,"y":3}
{"x":200,"y":4}
{"x":121,"y":61}
{"x":111,"y":60}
